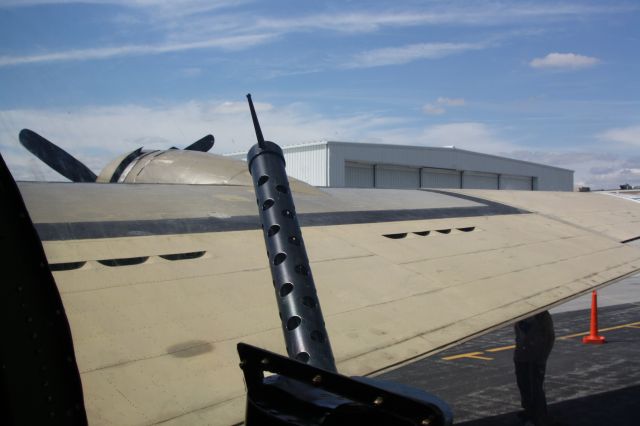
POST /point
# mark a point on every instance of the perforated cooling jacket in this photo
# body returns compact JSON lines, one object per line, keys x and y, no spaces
{"x":298,"y":305}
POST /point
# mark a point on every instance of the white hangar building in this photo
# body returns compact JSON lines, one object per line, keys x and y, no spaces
{"x":366,"y":165}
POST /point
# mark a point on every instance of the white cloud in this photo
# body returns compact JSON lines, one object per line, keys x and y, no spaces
{"x":235,"y":42}
{"x":451,"y":101}
{"x":96,"y":135}
{"x":564,"y":61}
{"x":431,"y":109}
{"x":437,"y":108}
{"x":182,"y":4}
{"x":471,"y":136}
{"x":200,"y":24}
{"x":482,"y":13}
{"x":241,"y":107}
{"x":596,"y":168}
{"x":625,"y":135}
{"x":409,"y":53}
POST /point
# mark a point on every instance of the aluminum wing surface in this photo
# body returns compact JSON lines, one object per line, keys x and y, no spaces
{"x":160,"y":282}
{"x":616,"y":218}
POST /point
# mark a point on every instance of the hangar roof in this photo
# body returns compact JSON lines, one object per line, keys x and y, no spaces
{"x":410,"y":147}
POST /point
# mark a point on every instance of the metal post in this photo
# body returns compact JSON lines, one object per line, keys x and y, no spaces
{"x":375,"y":171}
{"x":302,"y":322}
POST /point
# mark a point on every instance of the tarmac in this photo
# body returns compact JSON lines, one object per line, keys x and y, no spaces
{"x":585,"y":384}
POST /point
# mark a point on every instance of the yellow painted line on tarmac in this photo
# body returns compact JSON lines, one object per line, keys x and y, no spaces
{"x":478,"y":355}
{"x":570,"y":336}
{"x":474,"y":355}
{"x":503,"y":348}
{"x":600,"y":330}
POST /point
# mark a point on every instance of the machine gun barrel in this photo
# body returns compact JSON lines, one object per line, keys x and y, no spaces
{"x":303,"y":326}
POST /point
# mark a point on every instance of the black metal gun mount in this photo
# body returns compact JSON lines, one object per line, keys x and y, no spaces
{"x":306,"y":388}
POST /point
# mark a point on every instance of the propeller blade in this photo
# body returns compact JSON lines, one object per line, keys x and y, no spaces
{"x":55,"y":157}
{"x":203,"y":145}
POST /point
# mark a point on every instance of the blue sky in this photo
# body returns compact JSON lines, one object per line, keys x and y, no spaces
{"x":546,"y":81}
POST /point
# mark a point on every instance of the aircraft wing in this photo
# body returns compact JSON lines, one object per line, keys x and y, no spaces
{"x":160,"y":282}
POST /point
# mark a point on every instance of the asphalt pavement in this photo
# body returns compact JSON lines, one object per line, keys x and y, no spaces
{"x":585,"y":384}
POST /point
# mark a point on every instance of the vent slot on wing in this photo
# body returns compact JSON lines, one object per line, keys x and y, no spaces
{"x":125,"y":261}
{"x":67,"y":266}
{"x":425,"y":233}
{"x":183,"y":256}
{"x":396,"y":236}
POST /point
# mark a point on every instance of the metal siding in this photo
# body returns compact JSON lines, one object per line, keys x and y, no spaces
{"x":440,"y":178}
{"x":476,"y":180}
{"x":515,"y":182}
{"x":358,"y":175}
{"x":547,"y":178}
{"x":554,"y":180}
{"x":397,"y":177}
{"x":307,"y":163}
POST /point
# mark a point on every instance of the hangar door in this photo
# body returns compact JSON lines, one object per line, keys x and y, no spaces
{"x":515,"y":182}
{"x":440,"y":178}
{"x":479,"y":180}
{"x":397,"y":177}
{"x":358,"y":175}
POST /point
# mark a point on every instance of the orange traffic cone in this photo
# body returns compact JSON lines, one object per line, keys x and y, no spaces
{"x":593,"y":336}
